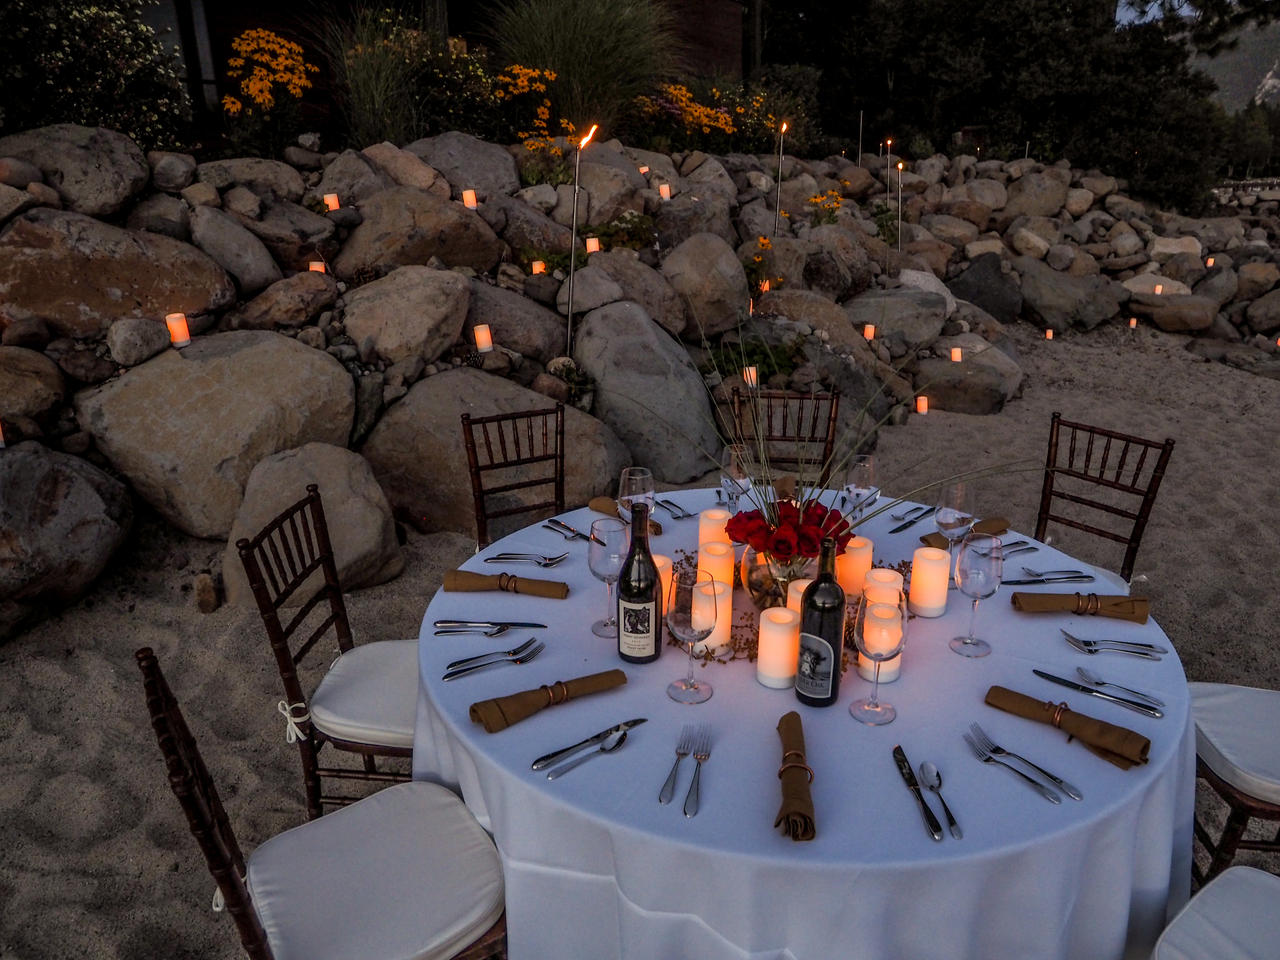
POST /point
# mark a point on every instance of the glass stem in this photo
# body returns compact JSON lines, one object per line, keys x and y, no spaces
{"x":973,"y":616}
{"x":689,"y":679}
{"x":875,"y":686}
{"x":609,"y":611}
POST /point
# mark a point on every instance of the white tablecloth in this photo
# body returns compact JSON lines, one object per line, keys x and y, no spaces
{"x":596,"y":868}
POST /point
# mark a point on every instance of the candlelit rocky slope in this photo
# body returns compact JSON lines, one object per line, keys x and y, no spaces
{"x":98,"y":242}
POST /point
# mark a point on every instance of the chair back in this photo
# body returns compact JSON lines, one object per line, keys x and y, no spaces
{"x":797,"y":430}
{"x":509,"y":455}
{"x":1114,"y":474}
{"x":193,"y":786}
{"x":278,"y":562}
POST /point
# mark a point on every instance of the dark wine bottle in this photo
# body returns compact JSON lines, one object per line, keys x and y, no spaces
{"x":639,"y":593}
{"x":821,"y":634}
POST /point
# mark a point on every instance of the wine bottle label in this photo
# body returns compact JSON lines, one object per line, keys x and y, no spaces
{"x":817,"y":664}
{"x":637,"y":628}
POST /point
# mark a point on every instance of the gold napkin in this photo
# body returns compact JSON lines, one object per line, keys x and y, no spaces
{"x":992,"y":526}
{"x":1119,"y":745}
{"x":795,"y":816}
{"x":609,"y":507}
{"x":1135,"y":609}
{"x":502,"y":712}
{"x":456,"y":581}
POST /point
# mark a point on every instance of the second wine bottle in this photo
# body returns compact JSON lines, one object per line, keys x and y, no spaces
{"x":639,"y":595}
{"x":821,"y":634}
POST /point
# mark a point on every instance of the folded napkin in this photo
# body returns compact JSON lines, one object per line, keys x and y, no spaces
{"x":795,"y":816}
{"x":502,"y":712}
{"x":456,"y":581}
{"x":992,"y":526}
{"x":609,"y":507}
{"x":1119,"y":745}
{"x":1121,"y":608}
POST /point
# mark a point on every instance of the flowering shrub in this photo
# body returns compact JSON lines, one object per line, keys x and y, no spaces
{"x":526,"y":96}
{"x":759,"y":278}
{"x":272,"y":75}
{"x":786,"y":529}
{"x":825,"y":206}
{"x":95,"y":64}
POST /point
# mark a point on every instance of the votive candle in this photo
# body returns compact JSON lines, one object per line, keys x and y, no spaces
{"x":795,"y":592}
{"x":930,"y":576}
{"x":484,"y":338}
{"x":331,"y":201}
{"x":712,"y":600}
{"x":716,"y":558}
{"x":664,"y":191}
{"x":922,"y":404}
{"x":663,"y":563}
{"x":956,"y":354}
{"x":1133,"y":323}
{"x":778,"y":649}
{"x":1209,"y":262}
{"x":750,"y":377}
{"x":1048,"y":334}
{"x":178,"y":333}
{"x":593,"y":244}
{"x":316,"y":266}
{"x":711,"y":525}
{"x":881,"y":631}
{"x":643,"y":168}
{"x":537,"y":267}
{"x":852,"y":566}
{"x":469,"y":199}
{"x":1159,"y":289}
{"x":869,"y":331}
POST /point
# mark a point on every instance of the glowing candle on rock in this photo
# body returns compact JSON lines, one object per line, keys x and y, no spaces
{"x":316,"y":266}
{"x":1133,"y":323}
{"x":537,"y":267}
{"x":469,"y":199}
{"x":664,"y":191}
{"x":764,"y":286}
{"x":484,"y":338}
{"x":795,"y":592}
{"x":750,"y":377}
{"x":593,"y":244}
{"x":663,"y":563}
{"x":779,"y":647}
{"x":869,"y":331}
{"x":1209,"y":262}
{"x":1,"y":436}
{"x":930,"y":575}
{"x":852,"y":567}
{"x":712,"y":600}
{"x":331,"y":201}
{"x":1048,"y":334}
{"x":178,"y":333}
{"x":643,"y":168}
{"x":711,"y":525}
{"x":1159,"y":289}
{"x":957,"y":354}
{"x":922,"y":404}
{"x":716,"y":558}
{"x":882,"y":629}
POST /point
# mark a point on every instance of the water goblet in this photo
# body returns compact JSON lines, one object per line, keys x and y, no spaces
{"x":735,"y":473}
{"x":691,"y":618}
{"x":860,"y":490}
{"x":606,"y":553}
{"x":978,"y":571}
{"x":879,"y":631}
{"x":954,"y":516}
{"x":635,"y":485}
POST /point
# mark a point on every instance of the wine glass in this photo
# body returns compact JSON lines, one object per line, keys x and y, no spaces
{"x":879,"y":631}
{"x":635,"y":484}
{"x":860,"y":490}
{"x":606,"y":552}
{"x":735,"y":473}
{"x":691,"y":617}
{"x":978,"y":571}
{"x":954,"y":516}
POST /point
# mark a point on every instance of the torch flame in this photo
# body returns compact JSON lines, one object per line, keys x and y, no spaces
{"x":590,"y":133}
{"x":784,"y":126}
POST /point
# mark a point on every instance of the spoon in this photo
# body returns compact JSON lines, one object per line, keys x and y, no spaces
{"x":1088,"y":676}
{"x":932,"y":780}
{"x":612,"y":743}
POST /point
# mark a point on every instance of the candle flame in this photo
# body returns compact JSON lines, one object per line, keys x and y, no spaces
{"x":784,"y":127}
{"x":590,"y":133}
{"x":900,"y":166}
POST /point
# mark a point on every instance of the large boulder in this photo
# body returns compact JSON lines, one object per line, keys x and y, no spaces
{"x":1264,"y":313}
{"x":294,"y":235}
{"x":291,"y":302}
{"x":688,"y":214}
{"x":413,"y":311}
{"x":835,"y":264}
{"x":992,"y":194}
{"x":62,"y":518}
{"x":404,"y":225}
{"x":644,"y":285}
{"x":31,"y":385}
{"x":1176,"y":313}
{"x":356,"y":512}
{"x":980,"y":383}
{"x":353,"y":177}
{"x":95,"y":171}
{"x":817,"y":312}
{"x":267,"y":178}
{"x":418,"y":456}
{"x":234,"y":249}
{"x":592,"y":288}
{"x":611,"y":191}
{"x":525,"y":228}
{"x":1256,"y":279}
{"x":161,"y":213}
{"x":133,"y":340}
{"x":924,"y":280}
{"x":912,"y":317}
{"x":469,"y":164}
{"x":1034,"y":195}
{"x":406,"y":169}
{"x":648,"y":391}
{"x":516,"y":322}
{"x":77,"y":274}
{"x":187,"y":427}
{"x":1060,"y":300}
{"x":706,"y":274}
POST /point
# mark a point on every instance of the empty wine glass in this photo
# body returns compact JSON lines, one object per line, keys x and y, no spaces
{"x":635,"y":484}
{"x":954,"y":516}
{"x":735,"y":473}
{"x":860,"y":490}
{"x":691,"y":617}
{"x":879,"y":631}
{"x":978,"y":571}
{"x":606,"y":552}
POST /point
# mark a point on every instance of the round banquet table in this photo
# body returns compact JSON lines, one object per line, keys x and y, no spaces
{"x":596,"y":867}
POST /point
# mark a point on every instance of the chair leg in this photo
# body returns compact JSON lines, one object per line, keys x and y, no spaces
{"x":1237,"y":822}
{"x":310,"y":778}
{"x":369,"y":765}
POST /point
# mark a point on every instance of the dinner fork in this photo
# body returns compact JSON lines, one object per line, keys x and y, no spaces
{"x":701,"y":753}
{"x":525,"y":558}
{"x":1089,"y":677}
{"x":523,"y":658}
{"x":995,"y":749}
{"x":684,"y":746}
{"x":986,"y":757}
{"x":1092,"y":650}
{"x":1116,"y":646}
{"x":496,"y":654}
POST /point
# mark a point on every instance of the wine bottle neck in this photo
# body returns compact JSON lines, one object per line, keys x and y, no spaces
{"x":640,"y":523}
{"x":827,"y":559}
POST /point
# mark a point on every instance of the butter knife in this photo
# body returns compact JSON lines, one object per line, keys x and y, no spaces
{"x":909,"y":778}
{"x":605,"y":734}
{"x":912,"y":522}
{"x":568,"y":529}
{"x":1124,"y":702}
{"x":1041,"y":581}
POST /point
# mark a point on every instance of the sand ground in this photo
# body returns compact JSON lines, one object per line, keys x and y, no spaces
{"x":96,"y":862}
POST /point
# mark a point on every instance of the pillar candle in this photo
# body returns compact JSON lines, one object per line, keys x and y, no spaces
{"x":537,"y":267}
{"x":711,"y":525}
{"x":795,"y":592}
{"x":750,"y":377}
{"x":664,"y":191}
{"x":852,"y":567}
{"x":881,"y":631}
{"x":469,"y":199}
{"x":882,"y":585}
{"x":484,"y":338}
{"x":716,"y":558}
{"x":869,"y":331}
{"x":922,"y":404}
{"x":663,"y":563}
{"x":178,"y":334}
{"x":779,"y":647}
{"x":930,"y":573}
{"x":712,"y":599}
{"x":316,"y":266}
{"x":331,"y":201}
{"x":593,"y":244}
{"x":957,"y":354}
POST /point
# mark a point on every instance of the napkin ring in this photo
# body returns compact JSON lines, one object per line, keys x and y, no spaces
{"x":1087,"y":603}
{"x":798,"y":754}
{"x":1058,"y":710}
{"x":509,"y":582}
{"x":797,"y":765}
{"x":556,"y":688}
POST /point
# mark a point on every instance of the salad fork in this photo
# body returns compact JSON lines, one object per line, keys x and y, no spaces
{"x":701,"y":753}
{"x":525,"y":558}
{"x":523,"y":658}
{"x":1091,"y":678}
{"x":996,"y":750}
{"x":684,"y":746}
{"x":1091,"y":648}
{"x":496,"y":654}
{"x":1122,"y":646}
{"x":986,"y":757}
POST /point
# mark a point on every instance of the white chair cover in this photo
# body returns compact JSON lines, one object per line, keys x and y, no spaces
{"x":370,"y":694}
{"x":1236,"y":736}
{"x":1235,"y":917}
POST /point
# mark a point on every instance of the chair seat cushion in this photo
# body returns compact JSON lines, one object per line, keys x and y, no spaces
{"x":404,"y":874}
{"x":370,"y":694}
{"x":1236,"y":736}
{"x":1233,"y":918}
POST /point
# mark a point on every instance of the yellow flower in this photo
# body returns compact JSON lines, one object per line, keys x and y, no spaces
{"x":231,"y":105}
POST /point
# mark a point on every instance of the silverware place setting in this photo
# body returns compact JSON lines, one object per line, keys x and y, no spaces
{"x":689,"y":733}
{"x":596,"y":738}
{"x":1091,"y":678}
{"x":928,"y":512}
{"x":990,"y":746}
{"x":931,"y":823}
{"x":521,"y":654}
{"x":1145,"y":651}
{"x":1074,"y":576}
{"x":677,"y":512}
{"x":490,"y":628}
{"x":526,"y":558}
{"x":1145,"y":708}
{"x":908,"y":513}
{"x":566,"y":531}
{"x":987,"y":757}
{"x":567,"y":536}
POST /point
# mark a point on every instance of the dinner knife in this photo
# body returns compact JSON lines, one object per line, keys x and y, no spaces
{"x":913,"y":521}
{"x":1040,"y":581}
{"x":568,"y":529}
{"x":909,"y":778}
{"x":1093,"y":692}
{"x":486,"y":623}
{"x":546,"y":761}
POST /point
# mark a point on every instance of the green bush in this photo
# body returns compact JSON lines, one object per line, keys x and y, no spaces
{"x":95,"y":64}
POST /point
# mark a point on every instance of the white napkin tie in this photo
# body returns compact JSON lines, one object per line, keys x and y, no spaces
{"x":292,"y":732}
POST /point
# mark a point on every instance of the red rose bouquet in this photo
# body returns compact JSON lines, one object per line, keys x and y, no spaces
{"x":785,"y":529}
